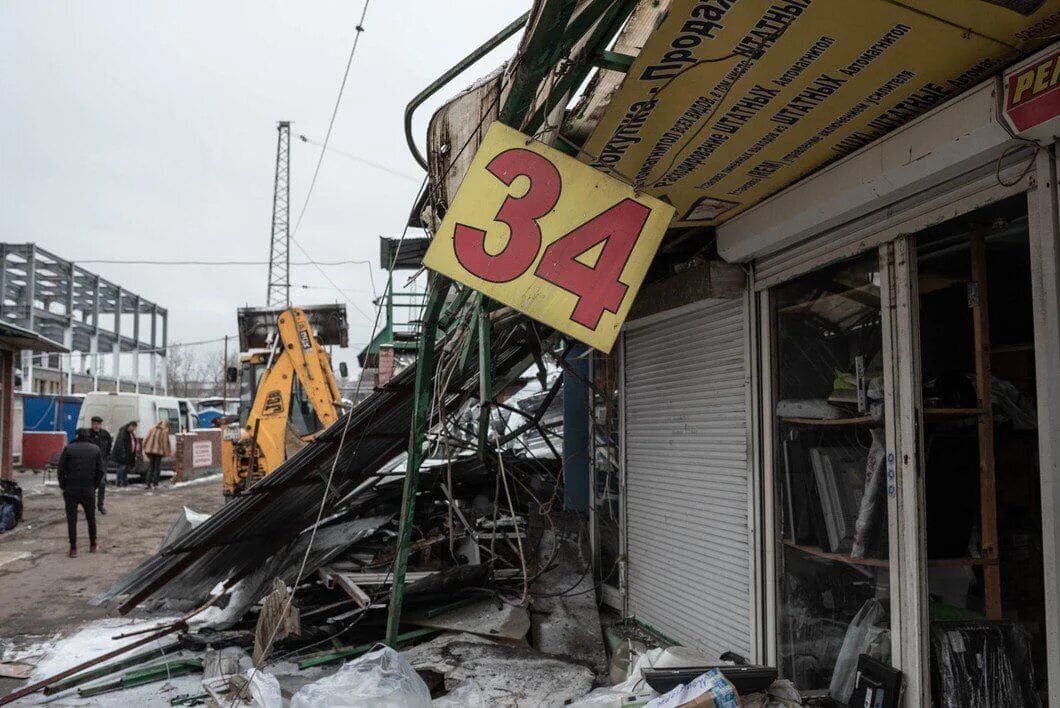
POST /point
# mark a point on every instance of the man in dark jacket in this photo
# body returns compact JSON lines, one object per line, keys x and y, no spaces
{"x":124,"y":453}
{"x":101,"y":438}
{"x":80,"y":472}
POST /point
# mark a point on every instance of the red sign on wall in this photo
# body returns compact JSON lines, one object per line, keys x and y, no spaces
{"x":1032,"y":93}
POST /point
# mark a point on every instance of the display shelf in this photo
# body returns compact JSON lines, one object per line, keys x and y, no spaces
{"x":931,"y":414}
{"x":950,"y":413}
{"x":1012,"y":348}
{"x":819,"y":552}
{"x":840,"y":557}
{"x":959,"y":562}
{"x":866,"y":296}
{"x":828,"y":422}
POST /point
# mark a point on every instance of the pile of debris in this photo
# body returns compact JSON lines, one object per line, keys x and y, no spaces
{"x":286,"y":593}
{"x":488,"y":553}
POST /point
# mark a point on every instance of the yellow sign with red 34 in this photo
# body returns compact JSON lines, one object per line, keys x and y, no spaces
{"x":550,"y":236}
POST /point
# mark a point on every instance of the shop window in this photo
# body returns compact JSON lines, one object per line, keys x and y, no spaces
{"x":605,"y":451}
{"x":981,"y":472}
{"x":831,"y":492}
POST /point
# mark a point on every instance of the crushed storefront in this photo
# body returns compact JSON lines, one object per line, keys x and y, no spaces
{"x":822,"y":446}
{"x":836,"y":416}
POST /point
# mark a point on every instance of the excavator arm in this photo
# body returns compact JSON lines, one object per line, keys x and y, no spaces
{"x":296,"y":363}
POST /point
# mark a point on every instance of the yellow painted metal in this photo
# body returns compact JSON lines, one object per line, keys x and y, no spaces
{"x":511,"y":201}
{"x":266,"y":439}
{"x":728,"y":103}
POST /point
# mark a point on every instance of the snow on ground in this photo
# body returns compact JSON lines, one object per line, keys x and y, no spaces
{"x":54,"y":654}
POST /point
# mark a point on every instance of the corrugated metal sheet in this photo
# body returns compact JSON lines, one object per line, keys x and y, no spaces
{"x":583,"y":117}
{"x":687,"y":476}
{"x":266,"y":521}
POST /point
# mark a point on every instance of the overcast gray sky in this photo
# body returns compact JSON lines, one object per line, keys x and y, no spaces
{"x":146,"y":129}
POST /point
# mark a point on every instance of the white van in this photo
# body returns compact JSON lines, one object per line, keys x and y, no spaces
{"x":117,"y":409}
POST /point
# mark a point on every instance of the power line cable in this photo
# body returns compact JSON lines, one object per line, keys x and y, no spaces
{"x":115,"y":261}
{"x":362,"y":160}
{"x":331,"y":123}
{"x":326,"y":494}
{"x":309,"y":262}
{"x":320,"y":160}
{"x":349,"y":415}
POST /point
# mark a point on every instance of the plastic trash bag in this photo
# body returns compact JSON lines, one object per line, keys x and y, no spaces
{"x":781,"y":694}
{"x":635,"y":688}
{"x":709,"y":690}
{"x":379,"y":679}
{"x":258,"y":689}
{"x":859,"y":636}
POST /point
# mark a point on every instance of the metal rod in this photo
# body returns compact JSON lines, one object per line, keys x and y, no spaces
{"x":224,"y":380}
{"x":350,"y":652}
{"x":421,"y":406}
{"x":461,"y":66}
{"x":149,"y":674}
{"x":93,"y":674}
{"x":34,"y":687}
{"x":485,"y":379}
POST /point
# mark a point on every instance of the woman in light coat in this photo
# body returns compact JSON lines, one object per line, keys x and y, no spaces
{"x":156,"y":446}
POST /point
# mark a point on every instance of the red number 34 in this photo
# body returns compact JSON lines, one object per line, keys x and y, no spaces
{"x":598,"y":287}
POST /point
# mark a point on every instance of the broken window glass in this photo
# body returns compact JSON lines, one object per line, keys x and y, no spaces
{"x":831,"y":488}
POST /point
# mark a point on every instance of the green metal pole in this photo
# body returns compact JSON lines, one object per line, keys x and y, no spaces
{"x":485,"y":378}
{"x":541,"y":50}
{"x":421,"y":407}
{"x":484,"y":49}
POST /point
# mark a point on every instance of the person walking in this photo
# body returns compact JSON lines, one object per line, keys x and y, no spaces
{"x":101,"y":438}
{"x":156,"y":446}
{"x":125,"y":453}
{"x":80,"y":471}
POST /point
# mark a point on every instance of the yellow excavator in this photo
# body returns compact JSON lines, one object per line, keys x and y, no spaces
{"x":287,"y":390}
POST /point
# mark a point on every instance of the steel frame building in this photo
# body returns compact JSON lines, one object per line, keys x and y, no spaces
{"x":101,"y":323}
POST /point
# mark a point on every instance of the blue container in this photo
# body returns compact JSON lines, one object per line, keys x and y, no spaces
{"x":49,"y":413}
{"x":206,"y":418}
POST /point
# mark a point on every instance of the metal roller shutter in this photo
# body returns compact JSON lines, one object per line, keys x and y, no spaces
{"x":687,"y":477}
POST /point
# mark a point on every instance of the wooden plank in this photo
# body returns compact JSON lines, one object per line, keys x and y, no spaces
{"x":839,"y":557}
{"x":987,"y":481}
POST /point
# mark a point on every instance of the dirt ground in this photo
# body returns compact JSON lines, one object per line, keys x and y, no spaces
{"x":47,"y":592}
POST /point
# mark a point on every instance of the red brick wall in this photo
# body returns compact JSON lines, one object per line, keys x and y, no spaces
{"x":186,"y":467}
{"x":386,"y":365}
{"x":7,"y":413}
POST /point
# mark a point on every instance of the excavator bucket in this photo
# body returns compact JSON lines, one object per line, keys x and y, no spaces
{"x":257,"y":324}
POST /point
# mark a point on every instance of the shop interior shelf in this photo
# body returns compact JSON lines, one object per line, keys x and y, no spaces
{"x":867,"y":296}
{"x":883,"y":562}
{"x":828,"y":422}
{"x":934,"y":414}
{"x":841,"y":557}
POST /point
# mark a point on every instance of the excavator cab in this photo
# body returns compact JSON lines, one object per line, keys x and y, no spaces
{"x":287,"y":390}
